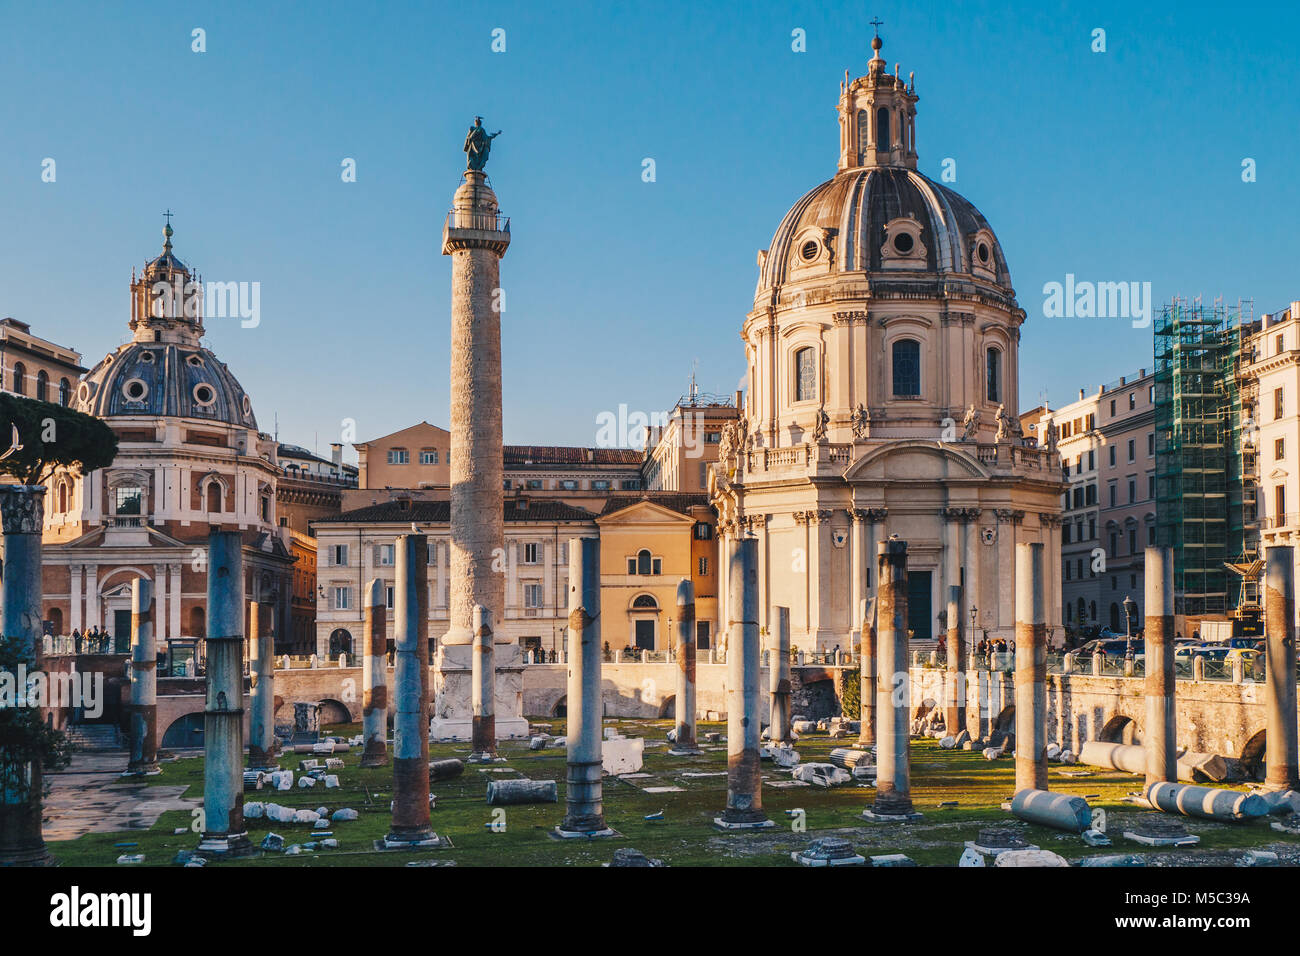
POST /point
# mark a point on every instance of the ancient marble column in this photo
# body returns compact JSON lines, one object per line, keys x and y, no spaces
{"x":778,"y":670}
{"x":224,"y":832}
{"x":411,"y":679}
{"x":262,"y":745}
{"x":893,"y":686}
{"x":744,"y":809}
{"x":1031,"y":667}
{"x":1160,"y":685}
{"x":584,"y":810}
{"x":954,"y":718}
{"x":1280,"y":755}
{"x":483,"y":746}
{"x":143,"y":720}
{"x":21,"y":518}
{"x":684,"y":705}
{"x":374,"y":676}
{"x":476,"y":239}
{"x":867,"y":674}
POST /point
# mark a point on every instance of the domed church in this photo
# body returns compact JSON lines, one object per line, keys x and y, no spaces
{"x":882,"y":354}
{"x":190,"y":457}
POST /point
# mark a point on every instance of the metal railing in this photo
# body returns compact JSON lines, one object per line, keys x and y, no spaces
{"x":485,"y":222}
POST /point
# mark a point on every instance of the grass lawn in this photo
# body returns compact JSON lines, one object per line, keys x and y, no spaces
{"x":686,"y":836}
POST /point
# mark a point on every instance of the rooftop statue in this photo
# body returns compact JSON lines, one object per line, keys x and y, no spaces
{"x":478,"y":143}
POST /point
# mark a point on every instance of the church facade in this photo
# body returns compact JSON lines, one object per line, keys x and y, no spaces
{"x":882,"y":355}
{"x":190,"y":458}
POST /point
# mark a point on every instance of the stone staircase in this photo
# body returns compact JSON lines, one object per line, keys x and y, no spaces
{"x":95,"y":737}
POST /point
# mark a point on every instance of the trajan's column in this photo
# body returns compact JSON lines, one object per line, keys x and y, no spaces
{"x":476,"y":237}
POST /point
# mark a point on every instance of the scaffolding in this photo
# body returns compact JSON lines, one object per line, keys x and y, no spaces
{"x":1205,"y":499}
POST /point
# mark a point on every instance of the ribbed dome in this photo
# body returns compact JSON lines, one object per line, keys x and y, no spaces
{"x":157,"y":379}
{"x":852,"y":211}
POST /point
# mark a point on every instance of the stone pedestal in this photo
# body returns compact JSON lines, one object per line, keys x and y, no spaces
{"x":453,"y":717}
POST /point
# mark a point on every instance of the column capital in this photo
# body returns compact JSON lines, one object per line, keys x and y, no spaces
{"x":1049,"y":520}
{"x":869,"y":515}
{"x":1008,"y":516}
{"x":953,"y":515}
{"x":813,"y":517}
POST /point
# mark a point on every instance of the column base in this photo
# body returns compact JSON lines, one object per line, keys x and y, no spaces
{"x":508,"y":728}
{"x":222,"y":846}
{"x":482,"y":756}
{"x":762,"y":823}
{"x":424,"y":840}
{"x":375,"y":758}
{"x":142,"y":770}
{"x":877,"y":817}
{"x":559,"y":833}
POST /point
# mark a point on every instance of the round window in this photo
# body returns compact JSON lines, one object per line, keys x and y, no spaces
{"x":809,"y":250}
{"x":204,"y":394}
{"x":904,"y":242}
{"x":982,"y":250}
{"x":146,"y":358}
{"x":135,"y":390}
{"x":83,"y":392}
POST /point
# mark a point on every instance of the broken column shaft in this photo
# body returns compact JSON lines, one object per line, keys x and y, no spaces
{"x":411,"y":679}
{"x":262,"y":746}
{"x":374,"y":677}
{"x":144,"y":682}
{"x":1159,"y":683}
{"x":893,"y":683}
{"x":684,"y":704}
{"x":954,"y":717}
{"x":867,"y":674}
{"x":21,"y":516}
{"x":1280,"y":750}
{"x":744,"y":658}
{"x":778,"y":671}
{"x":483,"y":735}
{"x":1031,"y":668}
{"x":224,"y":832}
{"x":584,"y":810}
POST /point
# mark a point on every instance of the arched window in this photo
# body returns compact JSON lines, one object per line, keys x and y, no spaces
{"x":1092,"y":608}
{"x":214,"y":497}
{"x":43,"y":386}
{"x":63,"y":498}
{"x":882,"y":128}
{"x":805,"y":375}
{"x":643,"y":562}
{"x":20,"y":378}
{"x":993,"y":374}
{"x":197,"y":625}
{"x":645,"y":602}
{"x":907,"y":368}
{"x":65,"y":392}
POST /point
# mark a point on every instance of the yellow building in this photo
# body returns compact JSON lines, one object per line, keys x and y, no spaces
{"x":647,"y":546}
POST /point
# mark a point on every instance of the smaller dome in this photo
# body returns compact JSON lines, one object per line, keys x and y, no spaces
{"x":165,"y":380}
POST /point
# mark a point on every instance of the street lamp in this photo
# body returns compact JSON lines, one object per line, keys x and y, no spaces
{"x":1130,"y":612}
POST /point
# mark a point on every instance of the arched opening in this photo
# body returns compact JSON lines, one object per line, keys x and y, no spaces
{"x":184,"y":732}
{"x":1119,"y":730}
{"x":668,"y":709}
{"x":805,"y":375}
{"x":1252,"y":756}
{"x":1114,"y":616}
{"x":65,"y":392}
{"x":561,"y":708}
{"x":340,"y":642}
{"x":43,"y":386}
{"x":20,"y":378}
{"x":643,"y":562}
{"x":55,"y":616}
{"x":198,"y":625}
{"x":332,"y":712}
{"x":882,"y":128}
{"x":993,"y":374}
{"x":63,"y":498}
{"x":214,"y":497}
{"x":906,"y":354}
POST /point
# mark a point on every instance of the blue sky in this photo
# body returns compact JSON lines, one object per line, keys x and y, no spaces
{"x":1115,"y":166}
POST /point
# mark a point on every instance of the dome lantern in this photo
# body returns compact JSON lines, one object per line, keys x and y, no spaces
{"x":167,"y":300}
{"x":877,"y":117}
